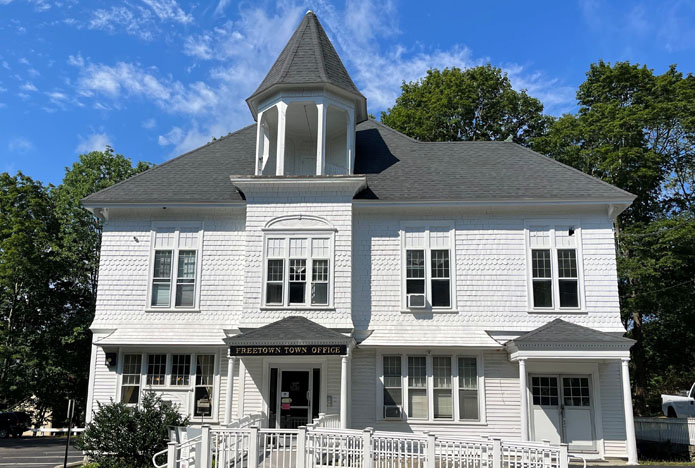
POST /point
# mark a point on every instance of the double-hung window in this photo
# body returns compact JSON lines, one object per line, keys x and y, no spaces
{"x":298,"y":271}
{"x":554,"y":268}
{"x":204,"y":381}
{"x":130,"y":379}
{"x":175,"y":267}
{"x":180,"y":369}
{"x":430,"y":387}
{"x":156,"y":369}
{"x":428,"y":267}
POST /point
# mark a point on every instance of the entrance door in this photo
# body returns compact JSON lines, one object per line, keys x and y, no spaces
{"x":294,"y":404}
{"x":562,"y":410}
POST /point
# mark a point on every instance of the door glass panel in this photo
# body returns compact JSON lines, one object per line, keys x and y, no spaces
{"x":575,"y":391}
{"x":544,"y":391}
{"x":294,"y":399}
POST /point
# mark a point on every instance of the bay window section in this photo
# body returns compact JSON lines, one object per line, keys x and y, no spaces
{"x":130,"y":379}
{"x":468,"y":388}
{"x":442,"y":389}
{"x":393,"y":393}
{"x":298,"y":271}
{"x":204,"y":382}
{"x":156,"y":369}
{"x":417,"y":387}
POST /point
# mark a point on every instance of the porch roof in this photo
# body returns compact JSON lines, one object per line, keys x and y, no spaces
{"x":561,"y":339}
{"x":291,"y":331}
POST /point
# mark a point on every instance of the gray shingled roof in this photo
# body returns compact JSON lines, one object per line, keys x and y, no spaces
{"x":308,"y":58}
{"x":293,"y":330}
{"x":398,"y":168}
{"x":560,"y":331}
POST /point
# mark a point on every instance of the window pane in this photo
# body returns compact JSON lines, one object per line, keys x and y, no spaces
{"x":392,"y":396}
{"x":131,"y":366}
{"x":440,"y":263}
{"x":186,"y":264}
{"x":392,"y":371}
{"x":415,"y":264}
{"x":417,"y":403}
{"x":415,"y":286}
{"x":441,"y":293}
{"x":542,"y":293}
{"x":417,"y":387}
{"x":443,"y":404}
{"x":129,"y":394}
{"x":568,"y":293}
{"x":180,"y":369}
{"x":274,"y":293}
{"x":468,"y":373}
{"x":319,"y":293}
{"x":540,"y":260}
{"x":185,"y":295}
{"x":468,"y":404}
{"x":297,"y":279}
{"x":156,"y":369}
{"x":204,"y":380}
{"x":130,"y":384}
{"x":162,"y":264}
{"x":161,"y":292}
{"x":275,"y":270}
{"x":567,"y":263}
{"x":319,"y":270}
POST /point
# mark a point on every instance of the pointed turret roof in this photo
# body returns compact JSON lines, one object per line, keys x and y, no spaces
{"x":309,"y":58}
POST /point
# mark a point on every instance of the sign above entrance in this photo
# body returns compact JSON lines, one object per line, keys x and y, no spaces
{"x":288,"y":350}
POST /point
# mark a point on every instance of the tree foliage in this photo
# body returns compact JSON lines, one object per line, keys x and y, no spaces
{"x":636,"y":130}
{"x":49,"y":256}
{"x":121,"y":436}
{"x":474,"y":104}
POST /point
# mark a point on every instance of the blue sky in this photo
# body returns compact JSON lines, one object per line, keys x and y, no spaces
{"x":155,"y":78}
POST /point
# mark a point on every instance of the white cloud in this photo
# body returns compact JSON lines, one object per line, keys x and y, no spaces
{"x":28,"y":86}
{"x":20,"y":145}
{"x":5,"y":2}
{"x":219,"y":9}
{"x":93,"y":142}
{"x":149,"y":123}
{"x":76,"y":60}
{"x":169,"y":10}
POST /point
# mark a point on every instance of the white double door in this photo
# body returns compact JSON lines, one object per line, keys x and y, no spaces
{"x":562,"y":407}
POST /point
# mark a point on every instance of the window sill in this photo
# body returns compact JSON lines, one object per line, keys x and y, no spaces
{"x":150,"y":310}
{"x":436,"y":422}
{"x":429,"y":311}
{"x":558,"y":311}
{"x":306,"y":307}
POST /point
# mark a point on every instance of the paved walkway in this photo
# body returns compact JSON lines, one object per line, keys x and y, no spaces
{"x":35,"y":452}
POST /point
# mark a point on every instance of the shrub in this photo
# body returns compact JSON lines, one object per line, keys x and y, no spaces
{"x":121,"y":436}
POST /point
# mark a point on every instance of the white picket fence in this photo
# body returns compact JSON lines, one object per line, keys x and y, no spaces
{"x":674,"y":430}
{"x":317,"y":447}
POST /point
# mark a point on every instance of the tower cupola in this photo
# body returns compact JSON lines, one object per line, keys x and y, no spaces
{"x":307,"y":108}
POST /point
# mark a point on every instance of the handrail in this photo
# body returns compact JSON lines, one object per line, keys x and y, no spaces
{"x":191,"y":441}
{"x":579,"y":457}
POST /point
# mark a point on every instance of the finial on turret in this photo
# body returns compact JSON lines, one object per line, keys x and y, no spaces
{"x":309,"y":12}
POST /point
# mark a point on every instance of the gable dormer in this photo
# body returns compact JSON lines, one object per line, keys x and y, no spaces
{"x":306,"y":109}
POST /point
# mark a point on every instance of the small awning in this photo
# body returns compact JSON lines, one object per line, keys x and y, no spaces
{"x":291,"y":336}
{"x":564,"y":340}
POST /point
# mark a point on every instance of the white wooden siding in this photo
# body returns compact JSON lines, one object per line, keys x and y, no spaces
{"x":613,"y":414}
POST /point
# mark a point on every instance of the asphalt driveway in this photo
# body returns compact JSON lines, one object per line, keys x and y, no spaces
{"x":35,"y":452}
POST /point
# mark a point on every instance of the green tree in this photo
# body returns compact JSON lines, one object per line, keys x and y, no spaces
{"x":474,"y":104}
{"x":49,"y":257}
{"x":636,"y":129}
{"x":120,"y":436}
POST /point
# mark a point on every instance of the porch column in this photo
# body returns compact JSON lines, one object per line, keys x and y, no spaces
{"x":231,"y":361}
{"x":629,"y":417}
{"x":344,"y":371}
{"x":524,"y":400}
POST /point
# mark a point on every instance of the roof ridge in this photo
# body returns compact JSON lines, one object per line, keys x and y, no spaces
{"x":393,"y":130}
{"x":318,"y":50}
{"x":566,"y":166}
{"x":166,"y":163}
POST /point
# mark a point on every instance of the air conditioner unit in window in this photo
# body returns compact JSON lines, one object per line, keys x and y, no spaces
{"x":416,"y":301}
{"x":393,"y":412}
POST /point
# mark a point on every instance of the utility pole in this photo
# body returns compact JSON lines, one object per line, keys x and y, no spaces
{"x":71,"y":413}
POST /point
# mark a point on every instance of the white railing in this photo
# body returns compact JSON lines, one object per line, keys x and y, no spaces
{"x":316,"y":447}
{"x":674,"y":430}
{"x":324,"y":420}
{"x":254,"y":419}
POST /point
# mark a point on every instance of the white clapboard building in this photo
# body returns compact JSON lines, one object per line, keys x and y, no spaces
{"x":318,"y":262}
